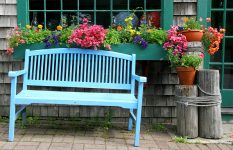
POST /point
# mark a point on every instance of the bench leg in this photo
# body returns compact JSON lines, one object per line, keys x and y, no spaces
{"x":24,"y":117}
{"x":139,"y":113}
{"x":138,"y":127}
{"x":130,"y":123}
{"x":12,"y":123}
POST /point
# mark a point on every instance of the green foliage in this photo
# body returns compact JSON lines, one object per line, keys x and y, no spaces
{"x":112,"y":37}
{"x":34,"y":36}
{"x":187,"y":60}
{"x":33,"y":120}
{"x":180,"y":139}
{"x":125,"y":36}
{"x":108,"y":119}
{"x":192,"y":24}
{"x":159,"y":127}
{"x":65,"y":33}
{"x":157,"y":36}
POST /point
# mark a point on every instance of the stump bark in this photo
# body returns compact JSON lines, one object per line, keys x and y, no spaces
{"x":187,"y":116}
{"x":210,"y":120}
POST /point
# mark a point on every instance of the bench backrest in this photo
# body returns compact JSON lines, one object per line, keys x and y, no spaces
{"x":73,"y":67}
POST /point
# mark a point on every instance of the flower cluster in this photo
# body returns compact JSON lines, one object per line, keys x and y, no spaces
{"x":140,"y":41}
{"x":15,"y":39}
{"x":176,"y":41}
{"x":28,"y":35}
{"x":88,"y":36}
{"x":51,"y":40}
{"x":193,"y":24}
{"x":176,"y":46}
{"x":142,"y":35}
{"x":212,"y":38}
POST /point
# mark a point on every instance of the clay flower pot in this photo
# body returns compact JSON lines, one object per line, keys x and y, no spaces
{"x":193,"y":35}
{"x":186,"y":75}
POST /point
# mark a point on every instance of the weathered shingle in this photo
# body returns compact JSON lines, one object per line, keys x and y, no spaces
{"x":11,"y":1}
{"x":4,"y":32}
{"x":8,"y":21}
{"x":8,"y":9}
{"x":3,"y":44}
{"x":185,"y":9}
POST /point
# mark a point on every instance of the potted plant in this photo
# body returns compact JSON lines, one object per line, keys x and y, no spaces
{"x":186,"y":64}
{"x":193,"y":30}
{"x":212,"y":39}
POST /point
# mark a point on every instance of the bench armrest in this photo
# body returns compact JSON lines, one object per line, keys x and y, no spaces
{"x":139,"y":78}
{"x":16,"y":73}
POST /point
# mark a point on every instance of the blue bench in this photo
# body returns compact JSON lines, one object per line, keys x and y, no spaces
{"x":77,"y":68}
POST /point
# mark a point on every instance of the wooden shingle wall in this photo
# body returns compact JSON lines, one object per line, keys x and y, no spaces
{"x":158,"y":102}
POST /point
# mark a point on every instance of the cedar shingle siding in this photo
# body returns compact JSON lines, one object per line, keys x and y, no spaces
{"x":158,"y":103}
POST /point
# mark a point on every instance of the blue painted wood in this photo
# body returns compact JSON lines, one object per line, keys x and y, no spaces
{"x":80,"y":69}
{"x":124,"y":79}
{"x":71,"y":67}
{"x":38,"y":68}
{"x":60,"y":64}
{"x":34,"y":68}
{"x":53,"y":62}
{"x":85,"y":68}
{"x":49,"y":68}
{"x":74,"y":72}
{"x":45,"y":72}
{"x":56,"y":66}
{"x":106,"y":73}
{"x":110,"y":70}
{"x":88,"y":70}
{"x":67,"y":66}
{"x":42,"y":67}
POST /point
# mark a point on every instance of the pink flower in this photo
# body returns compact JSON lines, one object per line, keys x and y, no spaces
{"x":108,"y":47}
{"x":22,"y":41}
{"x":88,"y":36}
{"x":10,"y":51}
{"x":201,"y":55}
{"x":208,"y":19}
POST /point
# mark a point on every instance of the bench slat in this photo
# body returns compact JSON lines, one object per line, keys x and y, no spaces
{"x":31,"y":64}
{"x":110,"y":71}
{"x":128,"y":72}
{"x":85,"y":68}
{"x":107,"y":69}
{"x":103,"y":69}
{"x":41,"y":67}
{"x":78,"y":98}
{"x":34,"y":68}
{"x":79,"y":51}
{"x":79,"y":67}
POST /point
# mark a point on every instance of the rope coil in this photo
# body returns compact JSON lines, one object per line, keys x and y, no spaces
{"x":204,"y":101}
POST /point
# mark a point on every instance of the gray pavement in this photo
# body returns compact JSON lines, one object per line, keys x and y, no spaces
{"x":68,"y":137}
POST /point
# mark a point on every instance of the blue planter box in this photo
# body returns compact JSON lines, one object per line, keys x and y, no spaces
{"x":152,"y":52}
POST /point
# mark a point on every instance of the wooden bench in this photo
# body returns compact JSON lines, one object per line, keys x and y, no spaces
{"x":77,"y":68}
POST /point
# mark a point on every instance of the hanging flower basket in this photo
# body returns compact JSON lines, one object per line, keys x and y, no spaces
{"x":193,"y":35}
{"x":186,"y":75}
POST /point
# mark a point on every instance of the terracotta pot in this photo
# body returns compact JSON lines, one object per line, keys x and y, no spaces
{"x":186,"y":75}
{"x":193,"y":35}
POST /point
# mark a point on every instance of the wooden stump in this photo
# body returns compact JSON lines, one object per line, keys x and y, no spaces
{"x":210,"y":120}
{"x":187,"y":116}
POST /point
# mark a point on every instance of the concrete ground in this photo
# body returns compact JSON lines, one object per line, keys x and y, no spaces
{"x":68,"y":137}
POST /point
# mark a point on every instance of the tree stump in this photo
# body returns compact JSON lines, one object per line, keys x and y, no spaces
{"x":210,"y":120}
{"x":187,"y":116}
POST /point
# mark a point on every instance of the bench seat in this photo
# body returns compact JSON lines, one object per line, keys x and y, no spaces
{"x":124,"y":100}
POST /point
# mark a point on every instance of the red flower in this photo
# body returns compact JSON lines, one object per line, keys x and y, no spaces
{"x":10,"y":51}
